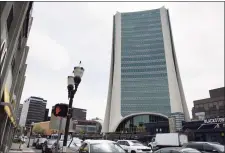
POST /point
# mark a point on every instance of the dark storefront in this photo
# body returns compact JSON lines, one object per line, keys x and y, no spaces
{"x":210,"y":130}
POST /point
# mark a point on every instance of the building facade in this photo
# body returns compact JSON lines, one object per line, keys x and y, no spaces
{"x":46,"y":118}
{"x":210,"y":107}
{"x":144,"y":74}
{"x":208,"y":130}
{"x":19,"y":113}
{"x":15,"y":24}
{"x":33,"y":111}
{"x":79,"y":114}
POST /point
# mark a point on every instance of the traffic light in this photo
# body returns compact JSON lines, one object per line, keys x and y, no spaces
{"x":60,"y":110}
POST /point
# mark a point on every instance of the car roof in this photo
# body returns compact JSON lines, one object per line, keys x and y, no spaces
{"x":98,"y":141}
{"x":201,"y":142}
{"x":127,"y":140}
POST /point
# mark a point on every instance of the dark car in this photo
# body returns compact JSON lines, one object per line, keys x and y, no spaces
{"x":48,"y":145}
{"x":177,"y":150}
{"x":206,"y":147}
{"x":40,"y":143}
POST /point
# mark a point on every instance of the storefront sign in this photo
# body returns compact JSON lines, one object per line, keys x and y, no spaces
{"x":215,"y":120}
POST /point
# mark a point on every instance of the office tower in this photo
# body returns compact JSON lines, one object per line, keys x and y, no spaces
{"x":33,"y":111}
{"x":144,"y":74}
{"x":15,"y":23}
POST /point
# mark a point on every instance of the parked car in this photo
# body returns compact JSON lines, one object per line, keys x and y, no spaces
{"x":177,"y":150}
{"x":48,"y":145}
{"x":40,"y":142}
{"x":133,"y":146}
{"x":72,"y":145}
{"x":100,"y":146}
{"x":35,"y":141}
{"x":206,"y":147}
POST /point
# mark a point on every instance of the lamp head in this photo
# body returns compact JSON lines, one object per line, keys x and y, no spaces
{"x":78,"y":73}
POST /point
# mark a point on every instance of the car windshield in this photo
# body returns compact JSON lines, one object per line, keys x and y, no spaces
{"x":51,"y":142}
{"x":106,"y":147}
{"x":42,"y":140}
{"x":136,"y":143}
{"x":218,"y":146}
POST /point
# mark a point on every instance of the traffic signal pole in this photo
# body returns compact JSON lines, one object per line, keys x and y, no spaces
{"x":60,"y":125}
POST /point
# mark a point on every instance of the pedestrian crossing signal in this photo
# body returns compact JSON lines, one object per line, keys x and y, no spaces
{"x":60,"y":110}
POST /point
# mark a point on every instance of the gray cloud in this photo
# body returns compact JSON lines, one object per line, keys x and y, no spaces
{"x":65,"y":32}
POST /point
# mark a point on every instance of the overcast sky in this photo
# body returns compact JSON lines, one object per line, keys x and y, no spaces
{"x":63,"y":33}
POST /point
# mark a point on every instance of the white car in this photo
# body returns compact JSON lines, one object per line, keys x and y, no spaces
{"x":134,"y":146}
{"x":100,"y":146}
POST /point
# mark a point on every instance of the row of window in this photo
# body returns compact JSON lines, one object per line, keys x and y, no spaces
{"x":140,"y":31}
{"x":153,"y":61}
{"x":145,"y":75}
{"x":153,"y":82}
{"x":140,"y":28}
{"x":163,"y":85}
{"x":143,"y":64}
{"x":145,"y":93}
{"x":150,"y":74}
{"x":142,"y":35}
{"x":142,"y":43}
{"x":147,"y":12}
{"x":130,"y":59}
{"x":145,"y":100}
{"x":156,"y":99}
{"x":141,"y":52}
{"x":130,"y":48}
{"x":139,"y":21}
{"x":134,"y":27}
{"x":151,"y":35}
{"x":146,"y":109}
{"x":127,"y":112}
{"x":132,"y":54}
{"x":145,"y":88}
{"x":143,"y":31}
{"x":140,"y":15}
{"x":142,"y":56}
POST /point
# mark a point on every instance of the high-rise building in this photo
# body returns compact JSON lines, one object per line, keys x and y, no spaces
{"x":15,"y":23}
{"x":33,"y":111}
{"x":145,"y":84}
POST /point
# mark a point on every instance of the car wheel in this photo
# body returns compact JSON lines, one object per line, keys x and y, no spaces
{"x":133,"y":151}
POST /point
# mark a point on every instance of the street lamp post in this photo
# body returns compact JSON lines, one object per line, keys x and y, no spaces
{"x":31,"y":129}
{"x":73,"y":83}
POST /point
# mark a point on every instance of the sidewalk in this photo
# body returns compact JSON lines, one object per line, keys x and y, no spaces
{"x":23,"y":148}
{"x":17,"y":146}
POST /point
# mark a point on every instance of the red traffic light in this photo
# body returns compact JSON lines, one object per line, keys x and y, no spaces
{"x":60,"y":110}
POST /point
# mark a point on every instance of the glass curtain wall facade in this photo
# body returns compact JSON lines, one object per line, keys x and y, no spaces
{"x":144,"y":74}
{"x":144,"y":83}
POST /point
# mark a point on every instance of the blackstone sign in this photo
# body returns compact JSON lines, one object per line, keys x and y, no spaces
{"x":215,"y":120}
